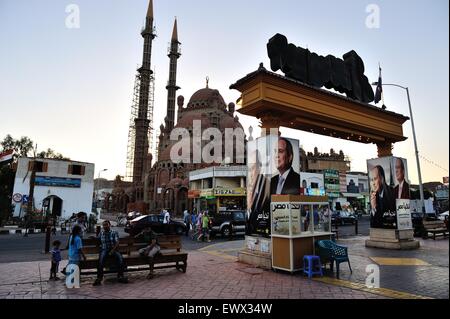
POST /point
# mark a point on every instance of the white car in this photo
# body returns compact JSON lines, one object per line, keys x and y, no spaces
{"x":443,"y":216}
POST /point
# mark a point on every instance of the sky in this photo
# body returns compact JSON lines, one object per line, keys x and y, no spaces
{"x":70,"y":89}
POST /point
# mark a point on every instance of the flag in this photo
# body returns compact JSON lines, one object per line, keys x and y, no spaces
{"x":379,"y":90}
{"x":6,"y":156}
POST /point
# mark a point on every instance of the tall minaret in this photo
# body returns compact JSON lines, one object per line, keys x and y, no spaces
{"x":172,"y":88}
{"x":142,"y":121}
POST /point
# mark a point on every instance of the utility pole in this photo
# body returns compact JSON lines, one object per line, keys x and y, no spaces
{"x":31,"y":191}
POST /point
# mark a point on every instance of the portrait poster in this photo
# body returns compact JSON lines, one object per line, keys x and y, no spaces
{"x":383,"y":210}
{"x":285,"y":178}
{"x":402,"y":192}
{"x":269,"y":158}
{"x":259,"y":165}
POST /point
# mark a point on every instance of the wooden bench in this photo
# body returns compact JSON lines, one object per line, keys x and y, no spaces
{"x":435,"y":227}
{"x":170,"y":256}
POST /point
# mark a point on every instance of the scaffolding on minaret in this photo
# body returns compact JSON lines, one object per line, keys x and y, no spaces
{"x":131,"y":148}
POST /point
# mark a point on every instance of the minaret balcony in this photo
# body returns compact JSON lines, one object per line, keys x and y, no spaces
{"x":174,"y":48}
{"x":148,"y":31}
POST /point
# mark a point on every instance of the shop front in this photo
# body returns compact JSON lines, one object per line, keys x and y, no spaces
{"x":219,"y":199}
{"x":231,"y":198}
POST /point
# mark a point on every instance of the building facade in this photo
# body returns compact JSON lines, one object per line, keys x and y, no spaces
{"x":62,"y":188}
{"x":158,"y":182}
{"x":218,"y":188}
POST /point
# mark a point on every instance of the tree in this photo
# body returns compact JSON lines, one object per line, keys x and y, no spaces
{"x":6,"y":187}
{"x":49,"y":153}
{"x":22,"y":147}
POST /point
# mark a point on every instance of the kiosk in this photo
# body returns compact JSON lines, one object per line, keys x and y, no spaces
{"x":297,"y":223}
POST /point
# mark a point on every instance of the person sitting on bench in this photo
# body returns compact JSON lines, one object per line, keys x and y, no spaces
{"x":149,"y":236}
{"x":109,"y":245}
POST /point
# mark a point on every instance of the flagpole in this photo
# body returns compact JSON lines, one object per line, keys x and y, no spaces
{"x":382,"y":92}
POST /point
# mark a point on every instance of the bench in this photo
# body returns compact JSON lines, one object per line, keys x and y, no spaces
{"x":435,"y":227}
{"x":170,"y":256}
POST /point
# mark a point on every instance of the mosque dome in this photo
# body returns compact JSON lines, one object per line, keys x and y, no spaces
{"x":206,"y":98}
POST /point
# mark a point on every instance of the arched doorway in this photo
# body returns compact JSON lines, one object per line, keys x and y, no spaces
{"x":53,"y":206}
{"x":182,"y":200}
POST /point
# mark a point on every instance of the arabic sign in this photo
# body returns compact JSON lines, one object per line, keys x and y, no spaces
{"x":58,"y":182}
{"x":403,"y":214}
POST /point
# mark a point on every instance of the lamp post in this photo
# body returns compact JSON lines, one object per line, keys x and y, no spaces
{"x":96,"y":191}
{"x":422,"y":197}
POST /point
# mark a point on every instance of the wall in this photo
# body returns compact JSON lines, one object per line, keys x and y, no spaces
{"x":228,"y":182}
{"x":312,"y":178}
{"x":320,"y":165}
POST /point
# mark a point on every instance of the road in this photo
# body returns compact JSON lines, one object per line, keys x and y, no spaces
{"x":16,"y":248}
{"x":349,"y":230}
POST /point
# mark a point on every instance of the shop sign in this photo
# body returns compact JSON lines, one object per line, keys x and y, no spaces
{"x":230,"y":192}
{"x":194,"y":193}
{"x":207,"y":193}
{"x":58,"y":182}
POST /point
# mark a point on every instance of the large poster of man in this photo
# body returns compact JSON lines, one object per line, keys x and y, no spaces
{"x":402,"y":193}
{"x":287,"y":162}
{"x":389,"y":193}
{"x":401,"y":188}
{"x":382,"y":198}
{"x":273,"y":166}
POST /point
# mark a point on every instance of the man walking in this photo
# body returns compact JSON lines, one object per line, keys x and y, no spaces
{"x":187,"y":221}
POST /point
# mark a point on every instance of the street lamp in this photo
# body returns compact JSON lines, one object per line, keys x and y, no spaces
{"x":98,"y":181}
{"x":422,"y":197}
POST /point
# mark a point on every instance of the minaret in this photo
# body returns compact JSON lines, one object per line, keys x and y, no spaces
{"x":172,"y":88}
{"x":142,"y":121}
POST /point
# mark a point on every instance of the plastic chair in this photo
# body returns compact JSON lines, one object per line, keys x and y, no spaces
{"x":312,"y":266}
{"x":333,"y":253}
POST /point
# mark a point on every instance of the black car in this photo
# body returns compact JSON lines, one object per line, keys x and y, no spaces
{"x":342,"y":218}
{"x":137,"y":225}
{"x":221,"y":223}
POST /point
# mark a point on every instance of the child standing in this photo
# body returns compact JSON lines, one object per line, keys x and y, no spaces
{"x":56,"y":258}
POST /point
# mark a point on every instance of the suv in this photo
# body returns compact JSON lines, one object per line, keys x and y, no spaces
{"x":221,"y":222}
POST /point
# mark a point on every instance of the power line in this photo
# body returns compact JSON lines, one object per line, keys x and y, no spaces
{"x":433,"y":163}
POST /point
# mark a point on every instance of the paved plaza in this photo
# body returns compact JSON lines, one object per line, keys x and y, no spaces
{"x":214,"y":273}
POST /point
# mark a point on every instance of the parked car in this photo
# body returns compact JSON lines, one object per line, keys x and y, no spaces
{"x":343,"y":218}
{"x":221,"y":222}
{"x":133,"y":215}
{"x":137,"y":225}
{"x":443,"y":216}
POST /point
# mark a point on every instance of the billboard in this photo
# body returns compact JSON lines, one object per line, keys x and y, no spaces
{"x":312,"y":184}
{"x":331,"y":180}
{"x":389,"y":193}
{"x":273,"y":169}
{"x":352,"y":182}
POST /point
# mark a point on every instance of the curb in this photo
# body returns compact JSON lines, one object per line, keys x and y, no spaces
{"x":22,"y":231}
{"x":384,"y":292}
